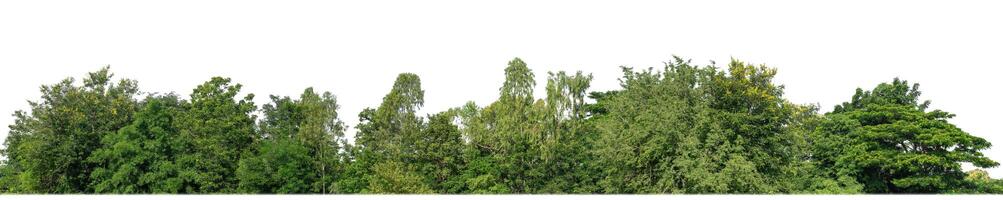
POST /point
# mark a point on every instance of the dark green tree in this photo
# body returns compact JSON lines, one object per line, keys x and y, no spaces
{"x":280,"y":166}
{"x":892,"y":144}
{"x":129,"y":159}
{"x":438,"y":153}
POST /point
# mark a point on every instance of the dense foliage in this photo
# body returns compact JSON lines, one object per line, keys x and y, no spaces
{"x":683,"y":128}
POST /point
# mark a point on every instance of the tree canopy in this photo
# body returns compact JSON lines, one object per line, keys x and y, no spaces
{"x":681,"y":128}
{"x":890,"y":142}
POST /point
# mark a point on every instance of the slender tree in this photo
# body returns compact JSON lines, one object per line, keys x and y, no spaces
{"x":524,"y":145}
{"x":385,"y":141}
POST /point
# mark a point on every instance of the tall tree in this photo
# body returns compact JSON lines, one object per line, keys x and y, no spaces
{"x":382,"y":130}
{"x":529,"y":145}
{"x":48,"y":147}
{"x":301,"y":138}
{"x":564,"y":149}
{"x":385,"y":139}
{"x":892,"y":144}
{"x":507,"y":131}
{"x":217,"y":130}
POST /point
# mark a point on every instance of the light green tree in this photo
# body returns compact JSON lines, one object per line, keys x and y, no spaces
{"x":524,"y":145}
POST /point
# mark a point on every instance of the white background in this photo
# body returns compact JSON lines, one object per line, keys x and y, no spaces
{"x":459,"y":48}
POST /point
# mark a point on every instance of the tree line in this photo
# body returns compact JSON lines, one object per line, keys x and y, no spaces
{"x":684,"y":128}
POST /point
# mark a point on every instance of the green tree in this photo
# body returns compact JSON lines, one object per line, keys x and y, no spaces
{"x":48,"y":147}
{"x":216,"y":130}
{"x":128,"y":158}
{"x":811,"y":174}
{"x":564,"y":149}
{"x":892,"y":144}
{"x":438,"y":153}
{"x":386,"y":134}
{"x":382,"y":131}
{"x":413,"y":150}
{"x":480,"y":174}
{"x":640,"y":125}
{"x":508,"y":131}
{"x":690,"y":129}
{"x":682,"y":129}
{"x":393,"y":177}
{"x":280,"y":166}
{"x":295,"y":132}
{"x":979,"y":182}
{"x":528,"y":145}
